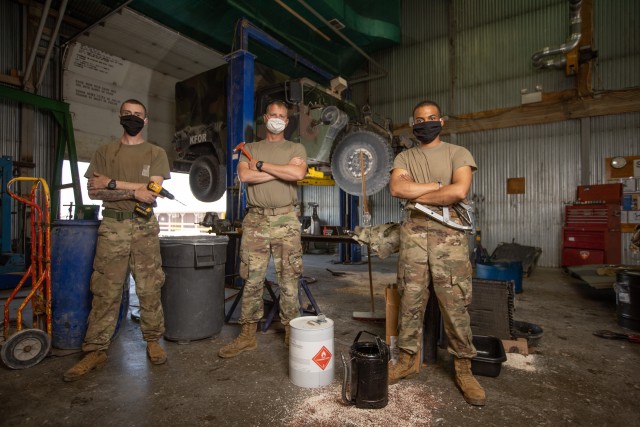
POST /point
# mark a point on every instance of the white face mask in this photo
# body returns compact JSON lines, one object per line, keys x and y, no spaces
{"x":276,"y":126}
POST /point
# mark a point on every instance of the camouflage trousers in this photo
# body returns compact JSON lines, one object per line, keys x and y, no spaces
{"x":123,"y":246}
{"x":264,"y":236}
{"x":432,"y":251}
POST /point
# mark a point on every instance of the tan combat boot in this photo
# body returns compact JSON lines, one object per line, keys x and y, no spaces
{"x":471,"y":390}
{"x":244,"y":342}
{"x":405,"y":366}
{"x":287,"y":331}
{"x":92,"y":360}
{"x":156,"y":354}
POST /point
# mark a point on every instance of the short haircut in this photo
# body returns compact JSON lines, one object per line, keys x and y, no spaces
{"x":276,"y":102}
{"x":134,"y":101}
{"x":427,"y":104}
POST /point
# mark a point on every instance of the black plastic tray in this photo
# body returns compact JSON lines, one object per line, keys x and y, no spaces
{"x":488,"y":361}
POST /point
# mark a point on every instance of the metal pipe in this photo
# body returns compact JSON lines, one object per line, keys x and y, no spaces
{"x":304,"y":21}
{"x":575,"y":7}
{"x":345,"y":38}
{"x":36,"y":43}
{"x":52,"y":40}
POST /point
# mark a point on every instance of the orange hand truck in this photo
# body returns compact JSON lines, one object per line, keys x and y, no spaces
{"x":27,"y":347}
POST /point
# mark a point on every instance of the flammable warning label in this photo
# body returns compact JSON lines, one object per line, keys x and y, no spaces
{"x":322,"y":358}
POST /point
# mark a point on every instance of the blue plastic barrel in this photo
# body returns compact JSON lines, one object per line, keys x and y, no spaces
{"x":73,"y":247}
{"x":501,"y":271}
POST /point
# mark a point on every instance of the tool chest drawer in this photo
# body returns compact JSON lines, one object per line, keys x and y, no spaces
{"x":584,"y":239}
{"x":600,"y":217}
{"x":591,"y":234}
{"x":575,"y":256}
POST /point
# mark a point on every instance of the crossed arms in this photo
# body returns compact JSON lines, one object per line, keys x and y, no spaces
{"x":403,"y":186}
{"x":295,"y":170}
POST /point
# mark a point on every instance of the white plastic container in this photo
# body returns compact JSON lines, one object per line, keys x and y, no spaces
{"x":311,"y":353}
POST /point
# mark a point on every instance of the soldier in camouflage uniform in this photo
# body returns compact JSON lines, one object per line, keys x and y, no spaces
{"x":118,"y":175}
{"x":436,"y":174}
{"x":270,"y":227}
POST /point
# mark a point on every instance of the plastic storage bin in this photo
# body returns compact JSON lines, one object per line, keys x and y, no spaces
{"x":488,"y":361}
{"x":502,"y":271}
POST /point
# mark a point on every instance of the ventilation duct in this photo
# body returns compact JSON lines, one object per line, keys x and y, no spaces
{"x":539,"y":58}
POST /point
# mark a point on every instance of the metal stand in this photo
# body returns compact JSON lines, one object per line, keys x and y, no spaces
{"x":275,"y":308}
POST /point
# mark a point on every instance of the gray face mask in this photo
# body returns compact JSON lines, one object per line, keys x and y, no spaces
{"x":426,"y":132}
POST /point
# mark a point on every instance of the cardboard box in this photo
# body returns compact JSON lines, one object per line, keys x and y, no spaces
{"x":628,"y":184}
{"x":631,"y":202}
{"x":519,"y":346}
{"x":633,"y":217}
{"x":392,"y":299}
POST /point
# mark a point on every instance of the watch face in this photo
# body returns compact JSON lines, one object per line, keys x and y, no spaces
{"x":112,"y":184}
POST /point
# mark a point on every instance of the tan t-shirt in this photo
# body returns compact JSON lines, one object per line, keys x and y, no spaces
{"x":435,"y":164}
{"x":276,"y":193}
{"x":129,"y":163}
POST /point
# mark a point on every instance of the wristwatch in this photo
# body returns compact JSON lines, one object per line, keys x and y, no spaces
{"x":259,"y":164}
{"x":112,"y":184}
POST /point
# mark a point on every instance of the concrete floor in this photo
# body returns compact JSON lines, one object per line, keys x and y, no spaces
{"x":573,"y":378}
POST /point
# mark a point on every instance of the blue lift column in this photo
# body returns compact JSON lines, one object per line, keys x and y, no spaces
{"x":240,"y":99}
{"x":6,"y":173}
{"x":240,"y":124}
{"x":349,"y":252}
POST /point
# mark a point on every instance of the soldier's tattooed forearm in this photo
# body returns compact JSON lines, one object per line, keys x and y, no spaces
{"x":114,"y":195}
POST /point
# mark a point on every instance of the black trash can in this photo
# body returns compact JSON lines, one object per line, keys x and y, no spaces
{"x":193,"y":291}
{"x":627,"y":289}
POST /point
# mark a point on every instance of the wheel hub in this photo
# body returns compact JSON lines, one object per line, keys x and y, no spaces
{"x":355,"y":162}
{"x":25,"y":348}
{"x":204,"y":178}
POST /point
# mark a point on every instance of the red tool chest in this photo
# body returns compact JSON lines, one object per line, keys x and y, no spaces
{"x":591,"y":234}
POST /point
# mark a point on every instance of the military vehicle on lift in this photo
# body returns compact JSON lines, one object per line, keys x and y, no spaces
{"x":339,"y":138}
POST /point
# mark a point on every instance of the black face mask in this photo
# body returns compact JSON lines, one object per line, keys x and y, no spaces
{"x":132,"y":124}
{"x":427,"y":131}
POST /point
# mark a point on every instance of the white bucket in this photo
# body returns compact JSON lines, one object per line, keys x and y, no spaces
{"x":311,"y":353}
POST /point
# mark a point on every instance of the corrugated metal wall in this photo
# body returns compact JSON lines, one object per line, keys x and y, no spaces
{"x":476,"y":56}
{"x":548,"y":157}
{"x":328,"y":200}
{"x":10,"y":58}
{"x":617,"y":38}
{"x":22,"y":125}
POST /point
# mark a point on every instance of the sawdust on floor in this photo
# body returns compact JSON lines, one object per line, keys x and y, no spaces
{"x":409,"y":405}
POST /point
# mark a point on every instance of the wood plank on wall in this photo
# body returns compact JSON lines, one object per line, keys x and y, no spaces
{"x":554,"y":107}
